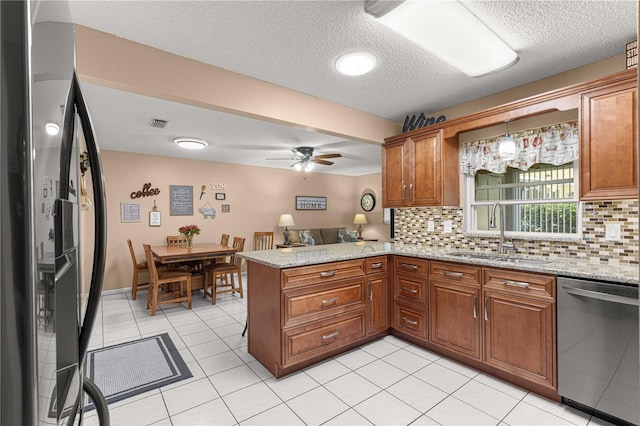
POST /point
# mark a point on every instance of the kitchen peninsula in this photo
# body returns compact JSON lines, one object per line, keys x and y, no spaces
{"x":310,"y":303}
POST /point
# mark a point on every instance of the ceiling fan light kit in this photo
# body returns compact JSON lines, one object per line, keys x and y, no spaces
{"x":449,"y":31}
{"x":305,"y":160}
{"x":191,"y":143}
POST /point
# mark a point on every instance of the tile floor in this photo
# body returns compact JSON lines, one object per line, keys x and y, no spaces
{"x":387,"y":382}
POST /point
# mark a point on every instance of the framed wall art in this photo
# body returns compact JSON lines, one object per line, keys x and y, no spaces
{"x":304,"y":202}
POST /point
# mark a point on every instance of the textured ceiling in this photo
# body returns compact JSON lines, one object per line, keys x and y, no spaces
{"x":295,"y":44}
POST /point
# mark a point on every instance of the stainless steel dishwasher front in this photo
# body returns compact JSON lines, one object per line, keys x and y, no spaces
{"x":598,"y":362}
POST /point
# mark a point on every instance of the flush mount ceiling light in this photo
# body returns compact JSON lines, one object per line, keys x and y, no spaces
{"x":52,"y":129}
{"x":449,"y":31}
{"x":190,"y":143}
{"x":356,"y":63}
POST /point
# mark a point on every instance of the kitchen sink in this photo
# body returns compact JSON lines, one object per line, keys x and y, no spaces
{"x":496,"y":258}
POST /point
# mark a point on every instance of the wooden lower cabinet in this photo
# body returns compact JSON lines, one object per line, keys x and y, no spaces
{"x":314,"y":339}
{"x":454,"y":317}
{"x":377,"y":294}
{"x":520,"y":325}
{"x":411,"y":320}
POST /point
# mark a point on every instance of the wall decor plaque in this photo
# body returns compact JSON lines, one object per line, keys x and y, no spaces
{"x":304,"y":202}
{"x":181,"y":200}
{"x":129,"y":212}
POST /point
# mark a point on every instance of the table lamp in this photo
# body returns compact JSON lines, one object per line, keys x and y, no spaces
{"x":286,"y":220}
{"x":359,"y":220}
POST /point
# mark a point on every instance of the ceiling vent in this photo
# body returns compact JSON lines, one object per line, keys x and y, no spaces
{"x":157,"y":123}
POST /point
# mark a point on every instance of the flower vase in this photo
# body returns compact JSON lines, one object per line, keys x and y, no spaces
{"x":189,"y":241}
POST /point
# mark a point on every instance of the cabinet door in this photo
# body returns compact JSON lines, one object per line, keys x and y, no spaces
{"x":394,"y":175}
{"x":377,"y":303}
{"x":519,"y":336}
{"x":455,"y":323}
{"x":609,"y":143}
{"x":425,"y":188}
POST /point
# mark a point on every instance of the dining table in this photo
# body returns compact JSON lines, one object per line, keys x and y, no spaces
{"x":203,"y":252}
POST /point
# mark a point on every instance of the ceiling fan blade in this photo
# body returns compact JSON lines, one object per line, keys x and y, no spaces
{"x":329,"y":156}
{"x":325,"y":162}
{"x":282,"y":158}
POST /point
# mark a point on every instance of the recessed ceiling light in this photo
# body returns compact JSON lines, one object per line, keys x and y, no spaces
{"x":356,"y":63}
{"x":190,"y":143}
{"x":52,"y":128}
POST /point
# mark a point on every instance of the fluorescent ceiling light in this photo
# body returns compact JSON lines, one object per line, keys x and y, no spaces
{"x":52,"y":128}
{"x":356,"y":63}
{"x":449,"y":31}
{"x":190,"y":143}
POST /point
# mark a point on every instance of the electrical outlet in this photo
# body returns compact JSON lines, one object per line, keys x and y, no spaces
{"x":431,"y":226}
{"x":612,"y":232}
{"x":448,"y":226}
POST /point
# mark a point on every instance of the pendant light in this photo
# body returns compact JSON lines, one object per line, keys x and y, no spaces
{"x":507,"y":148}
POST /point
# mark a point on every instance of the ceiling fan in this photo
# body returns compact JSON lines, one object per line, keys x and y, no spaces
{"x":305,"y":160}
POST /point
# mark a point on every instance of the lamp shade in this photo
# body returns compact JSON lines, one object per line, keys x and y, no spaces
{"x":360,"y":219}
{"x":286,"y":220}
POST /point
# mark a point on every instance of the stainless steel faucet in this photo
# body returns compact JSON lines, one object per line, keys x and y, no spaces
{"x":503,"y":247}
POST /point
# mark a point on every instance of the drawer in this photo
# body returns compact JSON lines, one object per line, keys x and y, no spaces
{"x":455,"y":272}
{"x":375,"y":264}
{"x":305,"y":303}
{"x":410,"y":265}
{"x":523,"y":283}
{"x":306,"y":342}
{"x":410,"y":289}
{"x":326,"y":272}
{"x":410,"y":320}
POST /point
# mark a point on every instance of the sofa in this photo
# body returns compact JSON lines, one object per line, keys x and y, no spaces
{"x":319,"y":236}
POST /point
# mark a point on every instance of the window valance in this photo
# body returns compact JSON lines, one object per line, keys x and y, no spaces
{"x":557,"y":144}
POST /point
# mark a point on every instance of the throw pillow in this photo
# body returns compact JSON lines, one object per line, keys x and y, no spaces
{"x":345,"y":236}
{"x":307,"y":238}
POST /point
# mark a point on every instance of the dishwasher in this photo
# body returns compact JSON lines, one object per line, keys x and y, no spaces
{"x":598,"y":361}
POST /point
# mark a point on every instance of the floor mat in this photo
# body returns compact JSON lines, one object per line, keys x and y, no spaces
{"x":127,"y":369}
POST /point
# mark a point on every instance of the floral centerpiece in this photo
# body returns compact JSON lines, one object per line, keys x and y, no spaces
{"x":189,"y":231}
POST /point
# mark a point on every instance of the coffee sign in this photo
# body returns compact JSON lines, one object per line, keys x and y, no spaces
{"x":147,"y":191}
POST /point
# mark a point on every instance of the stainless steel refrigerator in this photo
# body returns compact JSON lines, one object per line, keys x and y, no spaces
{"x":48,"y":302}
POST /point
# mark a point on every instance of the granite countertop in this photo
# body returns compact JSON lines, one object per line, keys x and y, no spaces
{"x":311,"y":255}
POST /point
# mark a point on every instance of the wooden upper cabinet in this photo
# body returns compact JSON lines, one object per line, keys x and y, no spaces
{"x":421,"y":170}
{"x":609,"y":143}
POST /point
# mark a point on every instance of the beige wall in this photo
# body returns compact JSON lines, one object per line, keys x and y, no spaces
{"x":257,"y":196}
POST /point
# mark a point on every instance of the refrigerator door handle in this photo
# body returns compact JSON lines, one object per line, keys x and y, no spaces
{"x":100,"y":219}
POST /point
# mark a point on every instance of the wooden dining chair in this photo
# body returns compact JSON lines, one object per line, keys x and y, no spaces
{"x":176,"y":240}
{"x":224,"y":240}
{"x":263,"y":240}
{"x":137,"y":268}
{"x":221,"y":276}
{"x":182,"y":277}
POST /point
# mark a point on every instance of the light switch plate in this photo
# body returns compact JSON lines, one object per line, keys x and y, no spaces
{"x":448,"y":226}
{"x":430,"y":226}
{"x":612,"y":232}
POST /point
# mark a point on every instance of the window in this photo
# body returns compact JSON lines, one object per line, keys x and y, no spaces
{"x":541,"y":200}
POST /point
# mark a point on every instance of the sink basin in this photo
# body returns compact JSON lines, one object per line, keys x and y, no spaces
{"x":477,"y":256}
{"x":495,"y":258}
{"x":525,"y":261}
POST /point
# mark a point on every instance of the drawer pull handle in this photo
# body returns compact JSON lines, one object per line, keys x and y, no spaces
{"x":328,"y":273}
{"x":475,"y":309}
{"x":377,"y":265}
{"x":410,"y":290}
{"x":329,"y":336}
{"x":453,"y":274}
{"x":327,"y":301}
{"x":412,"y":322}
{"x":520,"y":284}
{"x":408,"y":266}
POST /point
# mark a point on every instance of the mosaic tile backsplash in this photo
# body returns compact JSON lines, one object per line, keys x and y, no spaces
{"x":411,"y":228}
